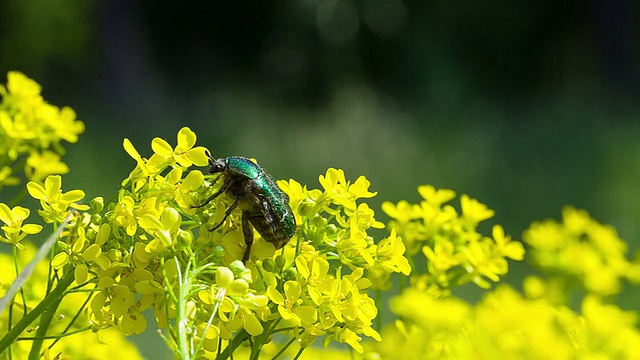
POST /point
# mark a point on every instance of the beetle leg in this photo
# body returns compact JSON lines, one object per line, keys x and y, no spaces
{"x":222,"y":189}
{"x":226,"y":214}
{"x":247,"y":231}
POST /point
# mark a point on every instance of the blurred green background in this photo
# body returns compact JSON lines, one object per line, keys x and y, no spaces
{"x":526,"y":106}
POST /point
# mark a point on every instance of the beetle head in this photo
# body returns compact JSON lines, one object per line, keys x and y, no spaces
{"x":216,"y":165}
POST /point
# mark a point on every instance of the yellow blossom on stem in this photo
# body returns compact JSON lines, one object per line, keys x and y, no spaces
{"x":455,"y":252}
{"x":579,"y":248}
{"x":163,"y":230}
{"x":14,"y":229}
{"x":32,"y":128}
{"x":435,"y":197}
{"x":53,"y":201}
{"x":390,"y":254}
{"x":41,"y":165}
{"x":184,"y":153}
{"x":505,"y":247}
{"x":289,"y":305}
{"x":7,"y":178}
{"x":474,"y":211}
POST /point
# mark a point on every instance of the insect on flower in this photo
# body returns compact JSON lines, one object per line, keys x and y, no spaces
{"x":264,"y":206}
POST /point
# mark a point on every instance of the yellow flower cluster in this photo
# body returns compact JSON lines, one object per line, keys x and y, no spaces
{"x":131,"y":248}
{"x":335,"y":224}
{"x":456,"y":253}
{"x":33,"y":129}
{"x":581,"y":250}
{"x":507,"y":325}
{"x":67,"y":324}
{"x":538,"y":325}
{"x":316,"y":298}
{"x":153,"y":247}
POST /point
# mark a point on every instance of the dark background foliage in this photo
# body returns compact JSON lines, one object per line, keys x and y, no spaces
{"x":527,"y":106}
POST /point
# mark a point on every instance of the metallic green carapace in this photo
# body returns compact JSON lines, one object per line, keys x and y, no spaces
{"x":264,"y":206}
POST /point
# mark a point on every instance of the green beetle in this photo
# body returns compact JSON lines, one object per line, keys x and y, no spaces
{"x":263,"y":204}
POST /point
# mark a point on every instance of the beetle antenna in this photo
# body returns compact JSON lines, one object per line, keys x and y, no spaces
{"x":211,"y":159}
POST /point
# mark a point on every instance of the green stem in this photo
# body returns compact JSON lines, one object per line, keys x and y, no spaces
{"x":299,"y":353}
{"x":52,"y":251}
{"x":57,"y":337}
{"x":284,"y":348}
{"x":48,"y":304}
{"x":43,"y":326}
{"x":30,"y":268}
{"x":262,"y":338}
{"x":15,"y":265}
{"x":170,"y":297}
{"x":219,"y":298}
{"x":181,"y":318}
{"x":237,"y":339}
{"x":66,"y":332}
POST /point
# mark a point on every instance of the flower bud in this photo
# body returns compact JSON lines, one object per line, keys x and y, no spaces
{"x":319,"y":221}
{"x":224,"y":276}
{"x":219,"y":251}
{"x":269,"y":265}
{"x":185,"y":238}
{"x":290,"y":274}
{"x":114,"y":255}
{"x":96,"y":204}
{"x":330,"y":229}
{"x":306,"y":206}
{"x":91,"y":234}
{"x":280,"y":262}
{"x":96,"y":219}
{"x":237,"y":267}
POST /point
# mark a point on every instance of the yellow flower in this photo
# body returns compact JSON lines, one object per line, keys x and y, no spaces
{"x":20,"y":85}
{"x":164,"y":229}
{"x":243,"y":312}
{"x":608,"y":330}
{"x":145,"y":168}
{"x":335,"y":187}
{"x":390,"y":254}
{"x":289,"y":305}
{"x":442,"y":257}
{"x":65,"y":125}
{"x":505,"y":247}
{"x":435,"y":197}
{"x":360,"y":189}
{"x":53,"y":201}
{"x":41,"y":165}
{"x":183,"y":156}
{"x":123,"y":215}
{"x":33,"y":128}
{"x":403,"y":212}
{"x":184,"y":153}
{"x":430,"y":313}
{"x":14,"y":229}
{"x":474,"y":211}
{"x":16,"y":131}
{"x":296,"y":195}
{"x":183,"y":191}
{"x":455,"y":251}
{"x":481,"y":264}
{"x":6,"y":178}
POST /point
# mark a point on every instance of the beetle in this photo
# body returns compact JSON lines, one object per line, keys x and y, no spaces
{"x":264,"y":205}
